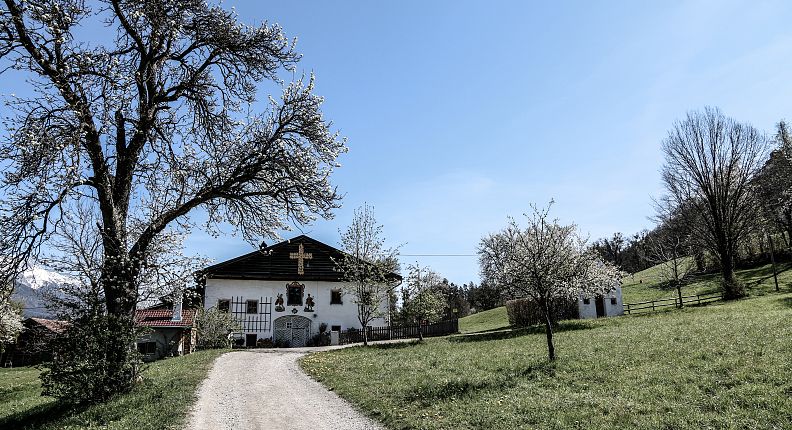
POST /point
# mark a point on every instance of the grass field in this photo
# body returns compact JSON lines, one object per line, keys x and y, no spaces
{"x":649,"y":285}
{"x":492,"y":319}
{"x":725,"y":365}
{"x":160,"y":401}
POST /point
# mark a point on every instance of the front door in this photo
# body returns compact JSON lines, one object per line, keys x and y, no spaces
{"x":600,"y":303}
{"x":292,"y":330}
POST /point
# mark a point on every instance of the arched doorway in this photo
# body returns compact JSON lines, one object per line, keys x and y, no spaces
{"x":293,"y":330}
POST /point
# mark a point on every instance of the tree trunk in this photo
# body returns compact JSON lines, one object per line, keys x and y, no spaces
{"x":731,"y":288}
{"x":549,"y":332}
{"x":679,"y":292}
{"x":365,"y":336}
{"x":420,"y":330}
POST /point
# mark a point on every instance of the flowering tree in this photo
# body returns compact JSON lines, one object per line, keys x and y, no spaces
{"x":146,"y":125}
{"x":422,"y":298}
{"x":367,"y":266}
{"x":545,"y":262}
{"x":10,"y":322}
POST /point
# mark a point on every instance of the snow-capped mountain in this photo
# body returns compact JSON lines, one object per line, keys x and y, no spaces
{"x":33,"y":287}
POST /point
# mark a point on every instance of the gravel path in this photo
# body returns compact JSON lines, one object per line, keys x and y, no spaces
{"x":266,"y":389}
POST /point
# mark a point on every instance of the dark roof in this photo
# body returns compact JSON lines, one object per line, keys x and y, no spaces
{"x":275,"y":263}
{"x":55,"y":326}
{"x":163,"y":318}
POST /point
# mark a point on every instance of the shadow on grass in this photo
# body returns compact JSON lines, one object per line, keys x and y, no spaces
{"x":430,"y":392}
{"x":40,"y":416}
{"x":395,"y":345}
{"x":786,"y":301}
{"x":499,"y":334}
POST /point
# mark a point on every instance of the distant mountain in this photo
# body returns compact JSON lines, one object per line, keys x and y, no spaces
{"x":32,"y":287}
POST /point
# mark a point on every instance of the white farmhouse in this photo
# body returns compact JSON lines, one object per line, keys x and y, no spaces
{"x":284,"y":292}
{"x":601,"y":306}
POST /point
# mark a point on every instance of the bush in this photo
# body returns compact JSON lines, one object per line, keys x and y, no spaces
{"x":213,"y":328}
{"x":92,"y":360}
{"x":525,"y":312}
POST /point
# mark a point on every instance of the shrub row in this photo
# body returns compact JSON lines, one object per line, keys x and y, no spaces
{"x":525,"y":312}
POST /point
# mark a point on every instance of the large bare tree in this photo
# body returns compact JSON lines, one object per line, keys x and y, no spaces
{"x":710,"y":160}
{"x":156,"y":117}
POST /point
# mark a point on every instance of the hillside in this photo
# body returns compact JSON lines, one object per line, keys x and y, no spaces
{"x":718,"y":366}
{"x":648,"y":284}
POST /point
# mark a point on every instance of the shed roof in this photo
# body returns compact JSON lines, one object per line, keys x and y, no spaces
{"x":163,"y":318}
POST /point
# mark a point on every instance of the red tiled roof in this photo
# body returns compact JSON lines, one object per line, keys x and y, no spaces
{"x":56,"y":326}
{"x":163,"y":318}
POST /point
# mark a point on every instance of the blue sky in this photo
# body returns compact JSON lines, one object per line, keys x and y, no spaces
{"x":462,"y":113}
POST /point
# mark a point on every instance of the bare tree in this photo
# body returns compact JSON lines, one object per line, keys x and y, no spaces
{"x":545,"y":262}
{"x":709,"y":163}
{"x":149,"y":124}
{"x":774,"y":185}
{"x":671,"y":247}
{"x":368,"y":267}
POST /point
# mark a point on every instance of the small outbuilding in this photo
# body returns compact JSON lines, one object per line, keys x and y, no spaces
{"x":601,"y":305}
{"x":170,"y":331}
{"x":33,"y":345}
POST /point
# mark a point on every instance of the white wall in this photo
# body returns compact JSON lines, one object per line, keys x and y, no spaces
{"x":344,"y":314}
{"x":590,"y":310}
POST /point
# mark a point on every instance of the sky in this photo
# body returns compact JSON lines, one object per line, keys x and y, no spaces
{"x":459,"y":114}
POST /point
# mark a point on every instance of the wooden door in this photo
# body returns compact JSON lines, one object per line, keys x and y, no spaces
{"x":600,"y":303}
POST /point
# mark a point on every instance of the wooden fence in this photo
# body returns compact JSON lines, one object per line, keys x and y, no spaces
{"x":653,"y":305}
{"x":399,"y":332}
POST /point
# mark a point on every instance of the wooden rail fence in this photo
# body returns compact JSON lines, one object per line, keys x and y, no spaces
{"x":399,"y":332}
{"x":653,"y":305}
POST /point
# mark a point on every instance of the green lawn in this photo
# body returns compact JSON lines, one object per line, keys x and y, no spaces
{"x":648,"y":284}
{"x":725,"y":365}
{"x":160,"y":401}
{"x":488,"y":320}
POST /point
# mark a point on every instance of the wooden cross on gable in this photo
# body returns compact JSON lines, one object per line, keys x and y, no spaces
{"x":300,"y":255}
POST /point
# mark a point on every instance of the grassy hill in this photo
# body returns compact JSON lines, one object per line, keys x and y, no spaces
{"x":649,"y":285}
{"x":720,"y":366}
{"x":160,"y":401}
{"x":492,"y":319}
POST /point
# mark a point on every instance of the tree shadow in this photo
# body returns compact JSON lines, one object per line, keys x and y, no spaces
{"x":429,"y":392}
{"x":40,"y":416}
{"x":786,"y":301}
{"x":395,"y":345}
{"x":563,"y":326}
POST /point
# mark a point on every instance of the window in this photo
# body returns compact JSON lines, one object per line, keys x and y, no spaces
{"x":147,"y":348}
{"x":223,"y":305}
{"x":586,"y":301}
{"x":613,"y":301}
{"x":295,"y":293}
{"x":335,"y":328}
{"x":335,"y":297}
{"x":252,"y":306}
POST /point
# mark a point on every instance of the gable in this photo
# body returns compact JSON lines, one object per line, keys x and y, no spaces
{"x":281,"y":262}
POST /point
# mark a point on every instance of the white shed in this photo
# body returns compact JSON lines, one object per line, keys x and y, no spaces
{"x":607,"y":305}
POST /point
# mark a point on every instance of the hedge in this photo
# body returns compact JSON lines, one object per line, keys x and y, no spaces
{"x":525,"y":312}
